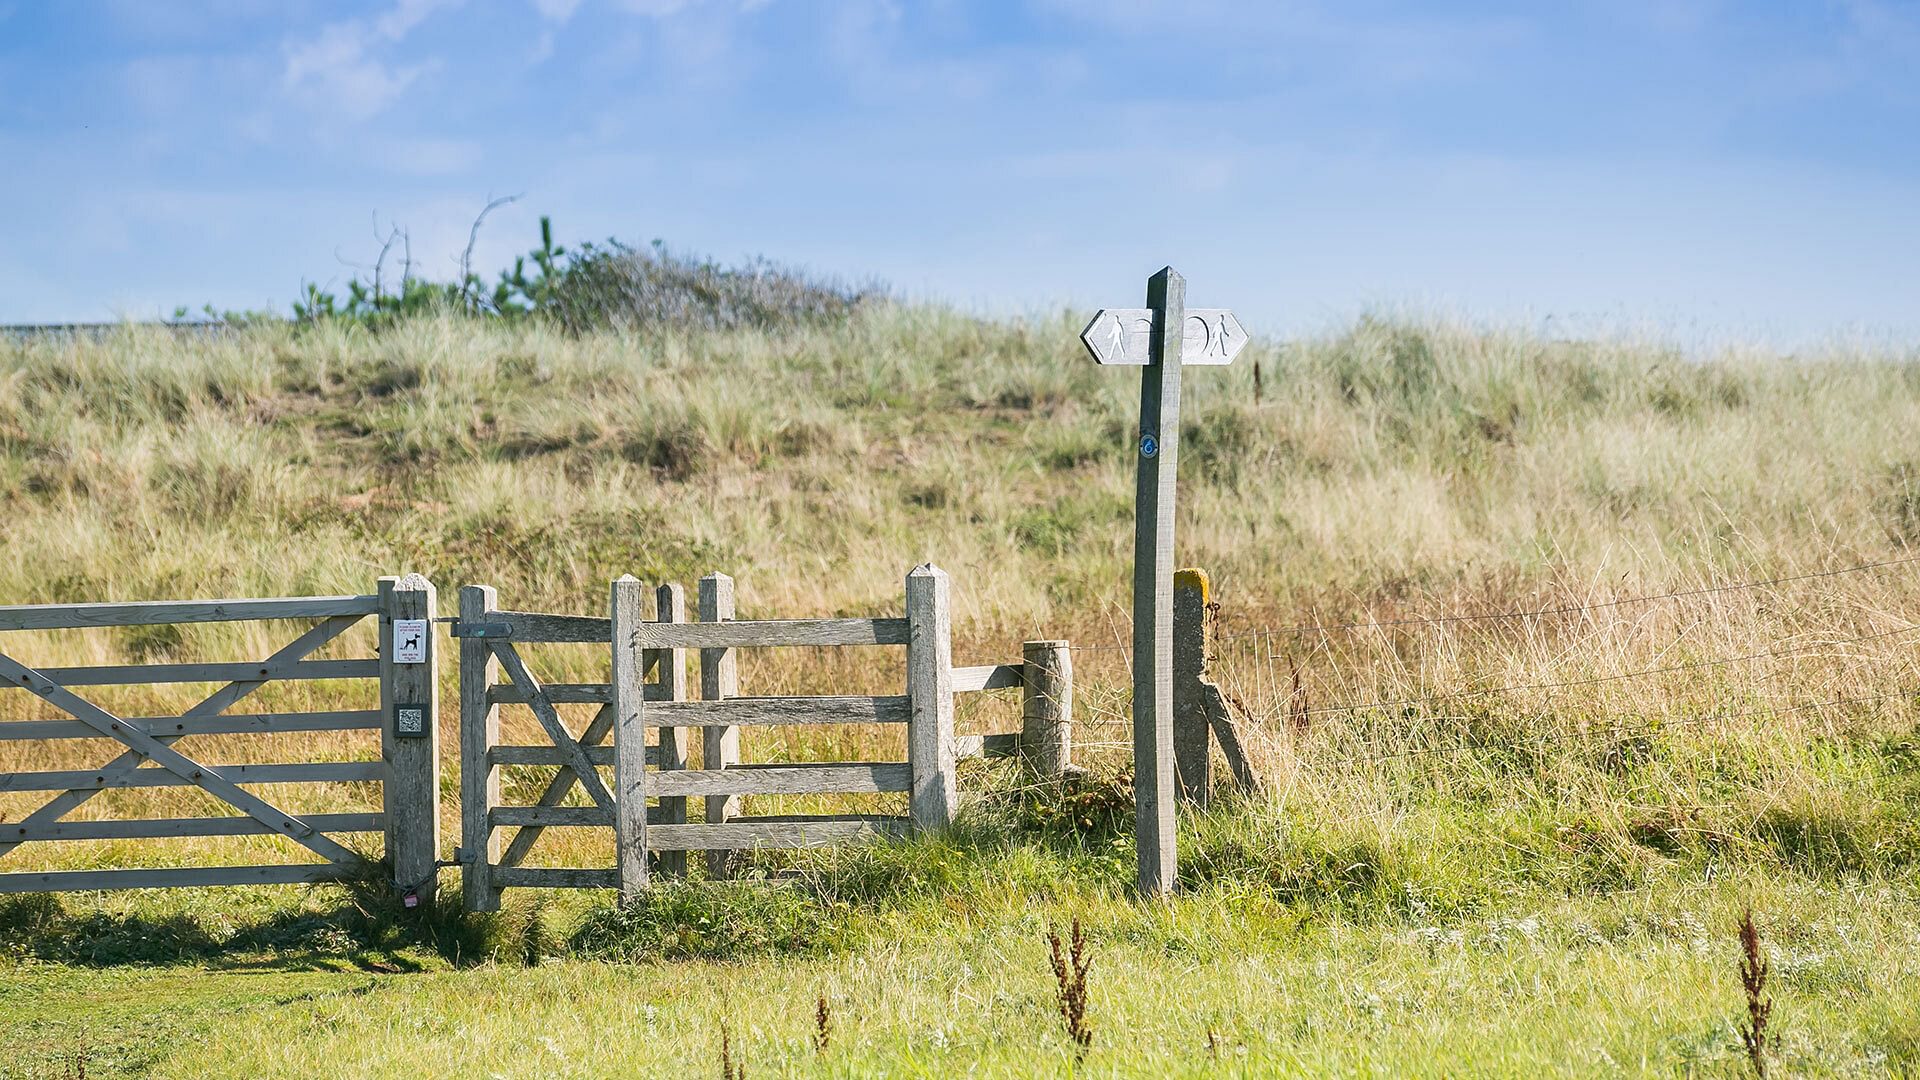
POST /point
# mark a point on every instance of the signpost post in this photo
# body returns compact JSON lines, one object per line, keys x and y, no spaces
{"x":1160,"y":338}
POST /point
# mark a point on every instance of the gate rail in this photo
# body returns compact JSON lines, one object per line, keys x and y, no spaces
{"x":151,"y":757}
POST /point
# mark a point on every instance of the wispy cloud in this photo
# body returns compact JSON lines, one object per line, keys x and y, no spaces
{"x":344,"y":67}
{"x":558,"y":11}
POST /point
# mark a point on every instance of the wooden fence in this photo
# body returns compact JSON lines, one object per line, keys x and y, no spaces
{"x":153,"y":751}
{"x":641,"y":731}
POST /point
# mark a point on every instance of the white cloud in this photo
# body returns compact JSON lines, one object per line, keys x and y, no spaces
{"x":558,"y":11}
{"x":339,"y":69}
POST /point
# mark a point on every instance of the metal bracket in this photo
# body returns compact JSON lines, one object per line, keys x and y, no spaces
{"x":461,"y":629}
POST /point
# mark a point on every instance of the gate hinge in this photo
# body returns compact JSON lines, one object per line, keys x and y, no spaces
{"x":462,"y":629}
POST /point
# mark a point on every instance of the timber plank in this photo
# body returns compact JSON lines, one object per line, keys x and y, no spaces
{"x":768,"y":633}
{"x":149,"y":613}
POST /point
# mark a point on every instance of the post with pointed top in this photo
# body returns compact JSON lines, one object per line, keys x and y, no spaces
{"x":719,"y":680}
{"x":480,"y":844}
{"x":670,"y":606}
{"x":930,"y":691}
{"x":409,"y":739}
{"x":629,"y":738}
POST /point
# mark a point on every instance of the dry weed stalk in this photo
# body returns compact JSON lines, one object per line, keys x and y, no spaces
{"x":822,"y":1025}
{"x":1070,"y":983}
{"x":1753,"y":979}
{"x":729,"y":1068}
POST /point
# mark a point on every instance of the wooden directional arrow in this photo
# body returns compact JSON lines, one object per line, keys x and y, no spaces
{"x":1124,"y":336}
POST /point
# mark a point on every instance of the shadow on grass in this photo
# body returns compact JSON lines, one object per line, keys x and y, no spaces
{"x":364,"y":927}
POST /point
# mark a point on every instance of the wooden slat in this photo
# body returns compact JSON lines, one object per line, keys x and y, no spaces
{"x":174,"y":726}
{"x":772,"y":632}
{"x":549,"y":816}
{"x":157,"y":674}
{"x":323,"y":772}
{"x":73,"y":616}
{"x":990,"y":677}
{"x":151,"y":828}
{"x":72,"y":880}
{"x":748,"y":833}
{"x":553,"y":755}
{"x":853,"y":778}
{"x":782,"y":710}
{"x":569,"y":694}
{"x":541,"y":627}
{"x":987,"y":746}
{"x":549,"y":877}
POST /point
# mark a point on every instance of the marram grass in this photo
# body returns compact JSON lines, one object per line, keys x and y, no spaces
{"x":1487,"y":847}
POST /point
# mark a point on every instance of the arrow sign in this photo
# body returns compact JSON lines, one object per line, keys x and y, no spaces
{"x":1124,"y":336}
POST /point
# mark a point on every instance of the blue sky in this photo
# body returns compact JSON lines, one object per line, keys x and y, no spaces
{"x":1693,"y":167}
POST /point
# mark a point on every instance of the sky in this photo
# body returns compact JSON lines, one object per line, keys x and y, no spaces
{"x":1690,"y":169}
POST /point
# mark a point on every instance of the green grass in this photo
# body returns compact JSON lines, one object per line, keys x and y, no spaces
{"x":1459,"y":880}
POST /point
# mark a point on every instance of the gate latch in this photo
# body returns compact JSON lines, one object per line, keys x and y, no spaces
{"x":463,"y":629}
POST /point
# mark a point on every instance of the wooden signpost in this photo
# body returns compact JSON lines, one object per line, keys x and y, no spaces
{"x":1142,"y":337}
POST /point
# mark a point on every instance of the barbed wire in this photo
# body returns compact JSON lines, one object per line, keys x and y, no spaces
{"x":1533,"y":613}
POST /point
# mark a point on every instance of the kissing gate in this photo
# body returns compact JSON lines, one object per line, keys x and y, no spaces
{"x":644,"y":767}
{"x":642,"y":729}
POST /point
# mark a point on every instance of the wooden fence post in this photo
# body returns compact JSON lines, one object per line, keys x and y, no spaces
{"x":1192,"y":642}
{"x":409,"y":739}
{"x":671,"y":607}
{"x":480,"y":843}
{"x":719,"y":679}
{"x":1046,"y":708}
{"x":629,"y":739}
{"x":930,"y":746}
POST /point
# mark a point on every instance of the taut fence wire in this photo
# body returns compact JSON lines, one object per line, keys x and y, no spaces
{"x":1280,"y":697}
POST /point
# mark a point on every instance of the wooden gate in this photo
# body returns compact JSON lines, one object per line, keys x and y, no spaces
{"x":147,"y":752}
{"x":928,"y":776}
{"x":656,"y":838}
{"x":489,"y":646}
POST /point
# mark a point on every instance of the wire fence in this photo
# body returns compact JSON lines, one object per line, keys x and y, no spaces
{"x":1245,"y":664}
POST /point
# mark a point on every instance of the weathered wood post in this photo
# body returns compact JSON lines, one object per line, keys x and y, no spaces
{"x":930,"y":748}
{"x":671,"y":607}
{"x":1192,"y":643}
{"x":719,"y":680}
{"x":1162,"y":337}
{"x":629,"y":738}
{"x":480,"y":844}
{"x":409,"y":743}
{"x":1046,"y":708}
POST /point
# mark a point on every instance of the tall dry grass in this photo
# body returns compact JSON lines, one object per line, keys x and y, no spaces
{"x":1390,"y":472}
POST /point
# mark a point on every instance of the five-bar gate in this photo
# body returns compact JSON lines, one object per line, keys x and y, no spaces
{"x":159,"y":751}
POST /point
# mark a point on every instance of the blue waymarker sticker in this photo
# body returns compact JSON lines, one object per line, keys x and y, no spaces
{"x":1149,"y":446}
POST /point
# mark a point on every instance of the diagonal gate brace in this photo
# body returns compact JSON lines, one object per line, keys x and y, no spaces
{"x":543,"y":711}
{"x":207,"y":779}
{"x":273,"y":667}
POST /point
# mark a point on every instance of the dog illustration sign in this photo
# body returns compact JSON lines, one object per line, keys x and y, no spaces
{"x":410,"y":641}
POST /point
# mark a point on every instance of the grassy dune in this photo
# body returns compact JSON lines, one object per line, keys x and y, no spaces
{"x":1489,"y":846}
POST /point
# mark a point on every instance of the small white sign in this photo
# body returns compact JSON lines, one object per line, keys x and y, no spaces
{"x":1124,"y":336}
{"x":409,"y":641}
